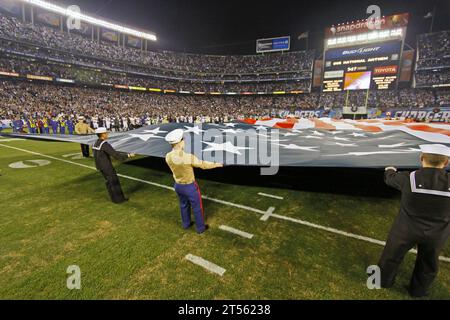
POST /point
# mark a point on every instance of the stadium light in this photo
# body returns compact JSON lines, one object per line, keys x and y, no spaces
{"x":368,"y":36}
{"x":99,"y":22}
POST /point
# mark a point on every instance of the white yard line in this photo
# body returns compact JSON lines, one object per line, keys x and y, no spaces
{"x":343,"y":233}
{"x":333,"y":230}
{"x":236,"y":231}
{"x":71,"y":155}
{"x":231,"y":204}
{"x":266,"y":214}
{"x":10,"y":140}
{"x":211,"y":267}
{"x":270,"y":196}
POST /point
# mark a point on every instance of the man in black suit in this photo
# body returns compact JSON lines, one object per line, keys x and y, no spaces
{"x":103,"y":152}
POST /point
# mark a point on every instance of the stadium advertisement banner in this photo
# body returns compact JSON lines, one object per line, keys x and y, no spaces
{"x":65,"y":80}
{"x":389,"y":22}
{"x":134,"y":42}
{"x":273,"y":44}
{"x":110,"y":35}
{"x":443,"y":115}
{"x":8,"y":74}
{"x":43,"y":78}
{"x":4,"y":124}
{"x":318,"y":71}
{"x":333,"y":74}
{"x":407,"y":63}
{"x":48,"y":18}
{"x":85,"y":28}
{"x":137,"y":88}
{"x":363,"y":51}
{"x":11,"y":6}
{"x":299,"y":113}
{"x":374,"y":66}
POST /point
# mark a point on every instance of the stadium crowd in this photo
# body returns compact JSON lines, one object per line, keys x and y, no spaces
{"x":31,"y":101}
{"x":44,"y":51}
{"x":431,"y":77}
{"x":433,"y":64}
{"x":14,"y":29}
{"x":95,"y":76}
{"x":434,"y":45}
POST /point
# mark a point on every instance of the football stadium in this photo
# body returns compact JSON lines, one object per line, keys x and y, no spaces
{"x":206,"y":150}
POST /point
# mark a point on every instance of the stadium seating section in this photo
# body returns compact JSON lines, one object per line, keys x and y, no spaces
{"x":99,"y":68}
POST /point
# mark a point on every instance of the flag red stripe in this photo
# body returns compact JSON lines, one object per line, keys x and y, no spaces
{"x":284,"y":125}
{"x":368,"y":128}
{"x":200,"y":199}
{"x":394,"y":123}
{"x":427,"y":128}
{"x":319,"y":124}
{"x":249,"y":121}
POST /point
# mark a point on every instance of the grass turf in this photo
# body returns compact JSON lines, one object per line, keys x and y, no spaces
{"x":59,"y":215}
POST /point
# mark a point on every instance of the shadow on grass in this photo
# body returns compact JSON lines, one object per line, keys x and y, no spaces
{"x":347,"y":181}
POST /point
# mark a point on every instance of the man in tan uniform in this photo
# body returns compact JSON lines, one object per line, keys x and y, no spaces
{"x":82,"y":128}
{"x":182,"y":165}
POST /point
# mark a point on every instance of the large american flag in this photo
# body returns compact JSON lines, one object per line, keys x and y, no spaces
{"x":373,"y":125}
{"x":300,"y":142}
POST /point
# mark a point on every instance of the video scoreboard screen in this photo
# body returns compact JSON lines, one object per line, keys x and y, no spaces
{"x":358,"y":58}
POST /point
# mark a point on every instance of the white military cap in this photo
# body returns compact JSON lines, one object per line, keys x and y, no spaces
{"x":175,"y":136}
{"x":435,"y":149}
{"x":81,"y":118}
{"x":101,"y":130}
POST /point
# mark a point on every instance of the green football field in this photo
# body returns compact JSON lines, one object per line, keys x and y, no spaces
{"x":315,"y":245}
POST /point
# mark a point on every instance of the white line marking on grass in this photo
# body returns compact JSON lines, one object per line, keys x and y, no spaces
{"x":267,"y":213}
{"x":71,"y":155}
{"x":23,"y":165}
{"x":333,"y":230}
{"x":11,"y":140}
{"x":50,"y":157}
{"x":270,"y":196}
{"x":211,"y":267}
{"x":343,"y":233}
{"x":236,"y":231}
{"x":231,"y":204}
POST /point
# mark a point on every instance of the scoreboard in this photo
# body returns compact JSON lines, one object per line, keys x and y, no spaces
{"x":362,"y":67}
{"x":358,"y":58}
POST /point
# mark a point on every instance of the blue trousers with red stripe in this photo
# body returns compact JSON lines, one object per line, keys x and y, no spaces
{"x":190,"y":197}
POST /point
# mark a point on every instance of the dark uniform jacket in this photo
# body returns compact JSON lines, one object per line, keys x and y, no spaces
{"x":425,"y":199}
{"x":103,"y":152}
